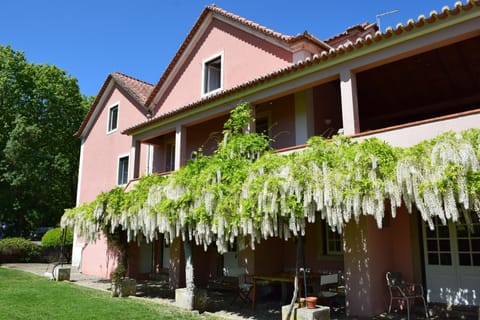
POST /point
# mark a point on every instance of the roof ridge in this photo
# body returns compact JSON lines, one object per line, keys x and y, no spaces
{"x":213,"y":9}
{"x":345,"y":48}
{"x":132,"y":78}
{"x":250,"y":23}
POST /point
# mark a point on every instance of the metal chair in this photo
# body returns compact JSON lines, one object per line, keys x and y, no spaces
{"x":245,"y":286}
{"x":400,"y":290}
{"x":328,"y":288}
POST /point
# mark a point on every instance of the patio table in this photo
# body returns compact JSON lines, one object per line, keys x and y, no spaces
{"x":282,"y":277}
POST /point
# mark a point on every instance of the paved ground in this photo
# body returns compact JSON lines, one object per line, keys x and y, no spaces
{"x":220,"y":302}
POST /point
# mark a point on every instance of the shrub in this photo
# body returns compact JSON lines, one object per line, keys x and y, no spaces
{"x":54,"y":238}
{"x":18,"y":250}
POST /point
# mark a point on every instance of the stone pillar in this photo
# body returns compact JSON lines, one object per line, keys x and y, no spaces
{"x":180,"y":138}
{"x":176,"y":270}
{"x":304,"y":126}
{"x":348,"y":89}
{"x":368,"y":256}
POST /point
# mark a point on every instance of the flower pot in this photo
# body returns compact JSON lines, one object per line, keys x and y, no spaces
{"x":311,"y":302}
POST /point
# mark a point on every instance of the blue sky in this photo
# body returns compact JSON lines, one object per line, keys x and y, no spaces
{"x":92,"y":38}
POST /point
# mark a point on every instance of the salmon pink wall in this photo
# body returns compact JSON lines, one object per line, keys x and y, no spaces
{"x":96,"y":260}
{"x":282,"y":120}
{"x":101,"y":150}
{"x":238,"y":48}
{"x":100,"y":154}
{"x":269,"y":256}
{"x":372,"y":252}
{"x":206,"y":135}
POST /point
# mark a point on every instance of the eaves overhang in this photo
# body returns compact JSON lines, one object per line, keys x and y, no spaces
{"x":459,"y":14}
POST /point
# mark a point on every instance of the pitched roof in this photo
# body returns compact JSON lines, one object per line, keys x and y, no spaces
{"x":138,"y":90}
{"x":213,"y":9}
{"x":352,"y":33}
{"x":343,"y":50}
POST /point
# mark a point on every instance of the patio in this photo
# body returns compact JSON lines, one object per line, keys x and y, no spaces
{"x":268,"y":305}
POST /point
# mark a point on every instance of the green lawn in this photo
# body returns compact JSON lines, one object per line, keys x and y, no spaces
{"x":27,"y":296}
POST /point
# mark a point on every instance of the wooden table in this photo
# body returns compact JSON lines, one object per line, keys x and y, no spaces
{"x":283,"y":277}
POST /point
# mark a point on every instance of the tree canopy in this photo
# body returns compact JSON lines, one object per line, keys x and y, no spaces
{"x":245,"y":189}
{"x":41,"y":108}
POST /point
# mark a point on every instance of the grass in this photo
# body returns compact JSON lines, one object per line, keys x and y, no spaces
{"x":28,"y":296}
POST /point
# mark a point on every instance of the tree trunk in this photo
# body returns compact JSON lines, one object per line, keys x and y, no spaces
{"x":295,"y":290}
{"x":189,"y":277}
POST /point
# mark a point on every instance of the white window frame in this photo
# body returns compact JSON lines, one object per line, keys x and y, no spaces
{"x":120,"y":157}
{"x":204,"y":73}
{"x":169,"y":149}
{"x":109,"y":117}
{"x":328,"y":239}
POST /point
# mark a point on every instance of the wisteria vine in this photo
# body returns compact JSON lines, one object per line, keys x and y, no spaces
{"x":245,"y":189}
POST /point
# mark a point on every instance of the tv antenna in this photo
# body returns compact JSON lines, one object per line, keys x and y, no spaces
{"x":378,"y":16}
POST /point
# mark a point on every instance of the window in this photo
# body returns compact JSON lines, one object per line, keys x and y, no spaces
{"x":122,"y":170}
{"x":334,"y":242}
{"x":262,"y":125}
{"x":113,"y":118}
{"x":468,"y":240}
{"x":439,"y":251}
{"x":212,"y":75}
{"x":170,"y":156}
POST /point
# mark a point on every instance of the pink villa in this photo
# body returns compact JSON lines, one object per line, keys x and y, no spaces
{"x":407,"y":84}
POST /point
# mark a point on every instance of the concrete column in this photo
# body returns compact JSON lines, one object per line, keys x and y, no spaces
{"x":78,"y":244}
{"x":368,"y":256}
{"x":180,"y":144}
{"x":176,"y":270}
{"x":133,"y":161}
{"x":348,"y":89}
{"x":304,"y":124}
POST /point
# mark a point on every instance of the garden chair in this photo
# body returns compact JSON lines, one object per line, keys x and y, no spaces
{"x":328,"y":288}
{"x":245,"y":286}
{"x":402,"y":291}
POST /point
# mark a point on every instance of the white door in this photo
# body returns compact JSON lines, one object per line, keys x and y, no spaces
{"x":230,"y":262}
{"x":146,"y":257}
{"x":452,"y":262}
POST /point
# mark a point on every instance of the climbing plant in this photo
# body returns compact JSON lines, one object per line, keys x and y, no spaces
{"x":245,"y":189}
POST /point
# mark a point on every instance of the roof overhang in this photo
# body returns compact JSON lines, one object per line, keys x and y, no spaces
{"x":459,"y":23}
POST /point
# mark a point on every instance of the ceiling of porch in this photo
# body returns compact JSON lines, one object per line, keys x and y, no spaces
{"x":438,"y":82}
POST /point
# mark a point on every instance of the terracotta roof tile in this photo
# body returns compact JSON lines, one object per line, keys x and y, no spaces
{"x":137,"y":89}
{"x":343,"y":49}
{"x":288,"y":40}
{"x":251,"y":24}
{"x":352,"y":33}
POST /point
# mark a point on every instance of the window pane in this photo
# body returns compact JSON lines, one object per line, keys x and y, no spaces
{"x":444,"y":245}
{"x":213,"y":74}
{"x":443,"y":231}
{"x":475,"y":244}
{"x":432,"y":245}
{"x":445,"y":259}
{"x":123,"y":170}
{"x":463,"y":245}
{"x":431,"y":233}
{"x":462,"y":231}
{"x":464,"y":259}
{"x":113,"y":118}
{"x":476,"y":259}
{"x":433,"y":258}
{"x":476,"y":230}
